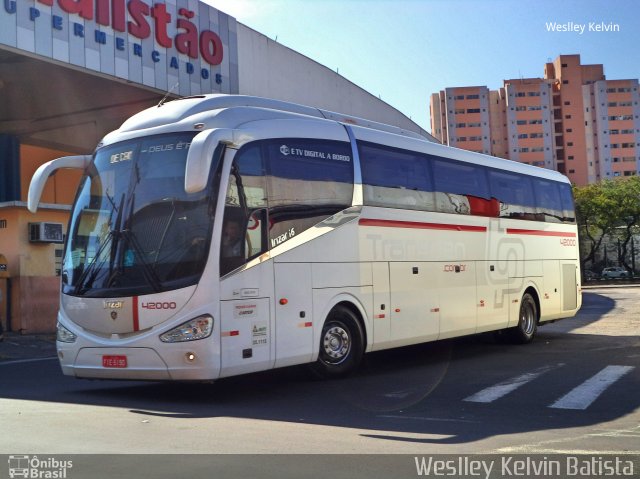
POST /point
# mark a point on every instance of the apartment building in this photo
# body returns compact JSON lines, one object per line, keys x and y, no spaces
{"x":530,"y":130}
{"x":461,"y":118}
{"x":612,"y":118}
{"x":572,"y":120}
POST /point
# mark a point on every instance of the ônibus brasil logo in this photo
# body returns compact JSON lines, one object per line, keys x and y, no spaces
{"x":34,"y":467}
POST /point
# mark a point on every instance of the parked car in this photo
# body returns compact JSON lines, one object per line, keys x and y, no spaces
{"x":615,"y":272}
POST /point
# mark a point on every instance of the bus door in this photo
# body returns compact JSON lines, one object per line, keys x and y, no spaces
{"x":247,"y":328}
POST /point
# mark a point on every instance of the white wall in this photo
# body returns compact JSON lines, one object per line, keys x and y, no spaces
{"x":269,"y":69}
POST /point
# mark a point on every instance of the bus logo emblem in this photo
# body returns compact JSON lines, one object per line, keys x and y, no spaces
{"x":113,"y":304}
{"x":284,"y":149}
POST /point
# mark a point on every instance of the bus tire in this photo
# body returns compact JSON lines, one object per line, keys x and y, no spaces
{"x":527,"y":326}
{"x":341,"y":345}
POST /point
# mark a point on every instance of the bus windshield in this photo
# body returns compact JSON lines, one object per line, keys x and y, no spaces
{"x":134,"y":230}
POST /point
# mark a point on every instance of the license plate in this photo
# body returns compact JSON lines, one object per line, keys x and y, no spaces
{"x":114,"y":361}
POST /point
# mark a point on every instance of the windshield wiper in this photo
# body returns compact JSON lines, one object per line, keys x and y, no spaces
{"x":148,"y":272}
{"x":92,"y":267}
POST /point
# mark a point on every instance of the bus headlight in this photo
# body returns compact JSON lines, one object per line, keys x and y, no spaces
{"x":198,"y":328}
{"x":64,"y":335}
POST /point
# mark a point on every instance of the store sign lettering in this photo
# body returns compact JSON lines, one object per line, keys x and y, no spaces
{"x":139,"y":20}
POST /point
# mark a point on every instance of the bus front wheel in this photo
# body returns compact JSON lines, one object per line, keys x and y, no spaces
{"x":527,"y":321}
{"x":341,"y":344}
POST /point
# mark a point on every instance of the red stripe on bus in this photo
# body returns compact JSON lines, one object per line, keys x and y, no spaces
{"x":136,"y":319}
{"x":417,"y":225}
{"x":229,"y":333}
{"x":511,"y":231}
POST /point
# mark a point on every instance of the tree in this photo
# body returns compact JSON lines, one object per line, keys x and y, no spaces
{"x":610,"y":208}
{"x":593,"y":207}
{"x":626,"y":198}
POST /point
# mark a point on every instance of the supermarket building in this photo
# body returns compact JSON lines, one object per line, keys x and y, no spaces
{"x":73,"y":70}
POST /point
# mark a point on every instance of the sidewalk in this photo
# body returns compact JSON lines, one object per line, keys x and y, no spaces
{"x":17,"y":347}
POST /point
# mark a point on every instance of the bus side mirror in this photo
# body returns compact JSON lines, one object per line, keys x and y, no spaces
{"x":43,"y":173}
{"x":200,"y":157}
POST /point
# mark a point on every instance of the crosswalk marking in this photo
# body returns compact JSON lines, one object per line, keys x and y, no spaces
{"x":492,"y":393}
{"x":583,"y":395}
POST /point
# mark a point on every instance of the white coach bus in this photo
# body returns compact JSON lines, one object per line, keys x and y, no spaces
{"x":220,"y":235}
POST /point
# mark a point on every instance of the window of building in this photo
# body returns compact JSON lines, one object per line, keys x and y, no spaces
{"x":473,"y":97}
{"x":565,"y":82}
{"x":473,"y":110}
{"x":567,"y":103}
{"x":570,"y":157}
{"x":567,"y":117}
{"x":570,"y":143}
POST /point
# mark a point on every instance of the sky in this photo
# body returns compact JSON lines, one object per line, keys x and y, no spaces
{"x":405,"y":50}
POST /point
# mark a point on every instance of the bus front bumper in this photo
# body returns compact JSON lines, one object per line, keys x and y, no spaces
{"x":132,"y":363}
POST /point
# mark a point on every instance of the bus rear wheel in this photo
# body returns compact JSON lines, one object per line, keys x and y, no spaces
{"x":527,"y":326}
{"x":341,"y":345}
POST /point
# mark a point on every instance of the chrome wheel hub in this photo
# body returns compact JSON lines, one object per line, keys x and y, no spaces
{"x":336,"y":343}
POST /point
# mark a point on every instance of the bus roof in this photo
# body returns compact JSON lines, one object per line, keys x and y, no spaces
{"x":234,"y":111}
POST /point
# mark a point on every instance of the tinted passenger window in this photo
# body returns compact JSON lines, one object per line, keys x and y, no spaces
{"x":566,"y":197}
{"x":460,"y":178}
{"x":548,"y":200}
{"x":515,"y":194}
{"x":308,"y":181}
{"x":396,"y":178}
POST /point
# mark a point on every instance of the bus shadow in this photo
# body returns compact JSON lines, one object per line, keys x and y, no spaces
{"x":395,"y":396}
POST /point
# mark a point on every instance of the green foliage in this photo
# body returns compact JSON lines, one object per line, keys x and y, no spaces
{"x":609,"y":208}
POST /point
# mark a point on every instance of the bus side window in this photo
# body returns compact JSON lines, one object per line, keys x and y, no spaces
{"x":308,"y":181}
{"x":244,"y":227}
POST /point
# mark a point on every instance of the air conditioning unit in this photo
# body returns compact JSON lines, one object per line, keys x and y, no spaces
{"x":45,"y":232}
